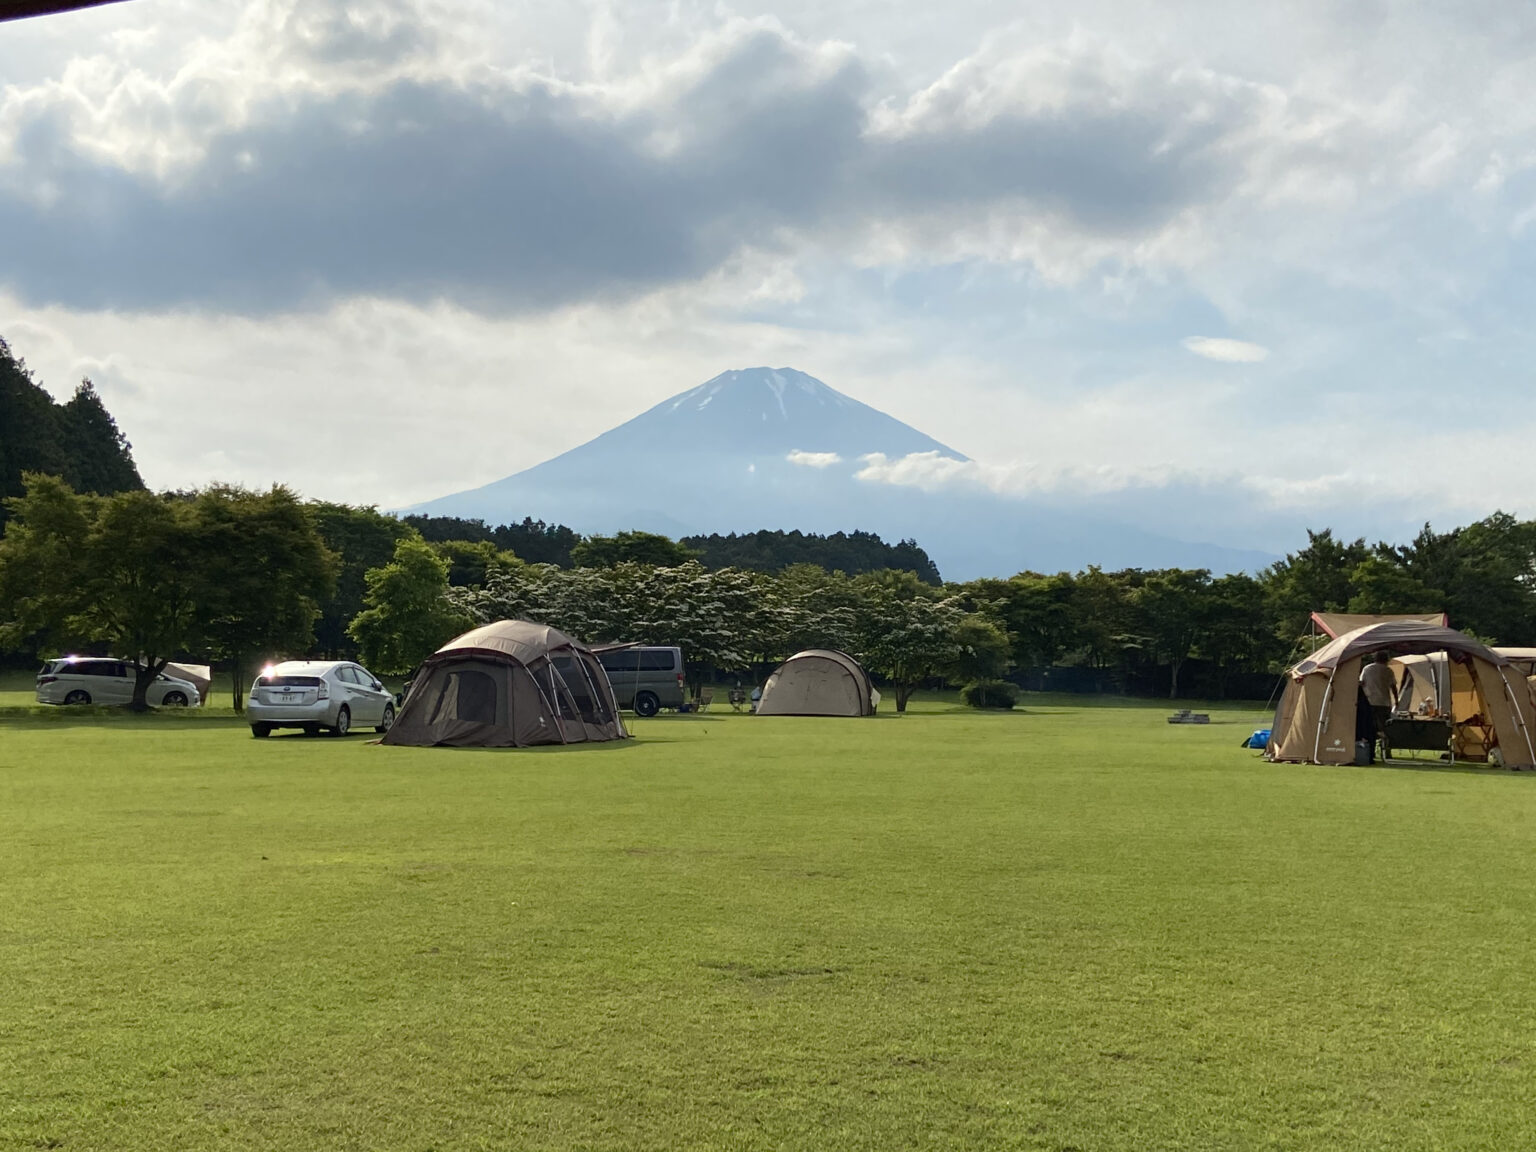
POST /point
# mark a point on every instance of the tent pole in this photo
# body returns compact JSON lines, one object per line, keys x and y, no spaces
{"x":1322,"y":714}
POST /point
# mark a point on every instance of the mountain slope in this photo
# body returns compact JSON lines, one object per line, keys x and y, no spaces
{"x":776,"y":448}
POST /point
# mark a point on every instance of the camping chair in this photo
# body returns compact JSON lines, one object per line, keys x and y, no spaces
{"x":705,"y":697}
{"x":737,"y":698}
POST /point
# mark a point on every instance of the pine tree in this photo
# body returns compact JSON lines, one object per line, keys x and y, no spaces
{"x":98,"y":453}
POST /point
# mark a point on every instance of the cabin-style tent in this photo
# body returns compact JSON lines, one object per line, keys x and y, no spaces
{"x":1490,"y":714}
{"x":819,"y":682}
{"x":508,"y":684}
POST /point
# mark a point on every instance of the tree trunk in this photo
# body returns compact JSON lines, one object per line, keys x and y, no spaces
{"x":143,"y":677}
{"x":1173,"y":683}
{"x":903,"y":694}
{"x":238,"y":690}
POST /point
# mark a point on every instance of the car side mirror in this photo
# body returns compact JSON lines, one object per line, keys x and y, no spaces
{"x":378,"y":687}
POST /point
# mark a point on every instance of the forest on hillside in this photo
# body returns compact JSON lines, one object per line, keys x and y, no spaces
{"x":77,"y":441}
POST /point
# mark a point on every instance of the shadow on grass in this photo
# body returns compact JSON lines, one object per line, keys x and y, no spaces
{"x":1432,"y":766}
{"x":99,"y":716}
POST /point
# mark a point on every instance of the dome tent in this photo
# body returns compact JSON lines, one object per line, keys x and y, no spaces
{"x":508,"y":684}
{"x":818,"y":682}
{"x":1490,"y":707}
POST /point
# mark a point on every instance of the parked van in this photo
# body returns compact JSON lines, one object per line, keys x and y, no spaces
{"x":645,"y":679}
{"x":106,"y":680}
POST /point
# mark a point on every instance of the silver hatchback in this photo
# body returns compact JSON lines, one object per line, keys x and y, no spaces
{"x":325,"y":695}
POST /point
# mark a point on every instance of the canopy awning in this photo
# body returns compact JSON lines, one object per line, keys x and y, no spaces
{"x":1335,"y":624}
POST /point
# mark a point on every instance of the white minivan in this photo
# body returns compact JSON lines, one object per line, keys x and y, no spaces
{"x":105,"y":680}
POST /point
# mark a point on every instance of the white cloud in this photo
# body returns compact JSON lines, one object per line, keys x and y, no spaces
{"x":813,"y":459}
{"x":1228,"y":351}
{"x":935,"y":472}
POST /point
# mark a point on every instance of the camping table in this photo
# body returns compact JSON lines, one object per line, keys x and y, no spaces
{"x":1412,"y":734}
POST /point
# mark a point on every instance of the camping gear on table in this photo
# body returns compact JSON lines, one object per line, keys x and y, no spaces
{"x":509,"y":684}
{"x":819,"y":682}
{"x":1185,"y":716}
{"x":1489,"y":708}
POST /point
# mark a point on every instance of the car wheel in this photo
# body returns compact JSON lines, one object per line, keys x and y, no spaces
{"x":343,"y":723}
{"x":646,"y":704}
{"x":261,"y":731}
{"x":175,"y":700}
{"x":78,"y":696}
{"x":388,"y":718}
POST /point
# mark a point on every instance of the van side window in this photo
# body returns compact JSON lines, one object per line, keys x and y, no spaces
{"x":624,"y":660}
{"x":657,"y":660}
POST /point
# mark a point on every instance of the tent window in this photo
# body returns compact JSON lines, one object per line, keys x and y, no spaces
{"x":464,"y":694}
{"x":476,"y":697}
{"x":595,"y":679}
{"x":581,"y":691}
{"x":559,"y":694}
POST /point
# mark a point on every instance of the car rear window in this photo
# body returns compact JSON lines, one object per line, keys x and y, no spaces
{"x":287,"y":681}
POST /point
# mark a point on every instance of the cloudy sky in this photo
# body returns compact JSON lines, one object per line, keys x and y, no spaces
{"x":1275,"y":262}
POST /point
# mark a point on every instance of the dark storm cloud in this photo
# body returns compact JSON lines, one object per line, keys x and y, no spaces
{"x":518,"y":200}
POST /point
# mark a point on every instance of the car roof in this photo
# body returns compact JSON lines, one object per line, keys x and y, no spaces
{"x":304,"y":667}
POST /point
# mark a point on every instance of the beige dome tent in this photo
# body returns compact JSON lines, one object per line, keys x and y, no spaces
{"x":508,"y":684}
{"x":819,"y":682}
{"x":1489,"y":707}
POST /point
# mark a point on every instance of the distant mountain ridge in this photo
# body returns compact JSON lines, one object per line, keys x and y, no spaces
{"x":776,"y":448}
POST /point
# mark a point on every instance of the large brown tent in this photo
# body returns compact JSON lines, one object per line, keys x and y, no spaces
{"x":509,"y":684}
{"x":818,"y":682}
{"x":1490,"y":714}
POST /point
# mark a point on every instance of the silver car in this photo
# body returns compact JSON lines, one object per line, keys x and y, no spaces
{"x":106,"y":680}
{"x":330,"y":695}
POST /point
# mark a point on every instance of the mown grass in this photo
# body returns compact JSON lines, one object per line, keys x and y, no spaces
{"x":1073,"y":927}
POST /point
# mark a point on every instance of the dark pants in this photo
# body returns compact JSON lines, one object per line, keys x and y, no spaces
{"x":1381,"y":713}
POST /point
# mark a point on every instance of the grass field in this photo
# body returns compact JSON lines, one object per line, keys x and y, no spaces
{"x":1074,"y":927}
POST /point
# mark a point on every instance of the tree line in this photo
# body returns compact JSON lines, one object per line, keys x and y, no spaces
{"x":231,"y":575}
{"x":767,"y":550}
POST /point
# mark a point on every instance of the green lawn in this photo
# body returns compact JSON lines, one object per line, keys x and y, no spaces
{"x":1071,"y":927}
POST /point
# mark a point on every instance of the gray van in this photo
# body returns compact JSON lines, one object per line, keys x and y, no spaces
{"x":645,"y":679}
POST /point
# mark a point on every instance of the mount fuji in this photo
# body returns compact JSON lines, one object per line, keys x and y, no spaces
{"x":775,"y":448}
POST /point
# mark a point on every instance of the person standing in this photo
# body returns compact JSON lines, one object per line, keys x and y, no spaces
{"x":1380,"y":688}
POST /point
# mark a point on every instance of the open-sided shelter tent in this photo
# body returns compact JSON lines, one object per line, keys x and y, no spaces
{"x":200,"y":676}
{"x":1424,"y":683}
{"x":1335,"y":624}
{"x":818,"y":682}
{"x":1489,"y":707}
{"x":509,"y":684}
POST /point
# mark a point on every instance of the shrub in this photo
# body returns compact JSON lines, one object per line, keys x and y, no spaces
{"x":990,"y":694}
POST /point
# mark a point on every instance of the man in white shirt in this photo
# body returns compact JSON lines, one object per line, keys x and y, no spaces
{"x":1380,"y":688}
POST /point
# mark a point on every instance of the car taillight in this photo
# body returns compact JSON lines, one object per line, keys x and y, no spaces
{"x":679,"y":679}
{"x":325,"y":691}
{"x":41,"y":680}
